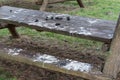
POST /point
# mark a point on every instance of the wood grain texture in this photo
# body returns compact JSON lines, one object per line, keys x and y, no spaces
{"x":88,"y":28}
{"x":51,"y":66}
{"x":112,"y":66}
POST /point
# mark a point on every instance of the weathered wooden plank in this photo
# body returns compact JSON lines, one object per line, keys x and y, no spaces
{"x":112,"y":66}
{"x":95,"y":29}
{"x":56,"y":64}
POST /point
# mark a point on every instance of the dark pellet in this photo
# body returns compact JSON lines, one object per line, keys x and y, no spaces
{"x":46,"y":18}
{"x":10,"y":10}
{"x":52,"y":18}
{"x":57,"y":24}
{"x":36,"y":20}
{"x":58,"y":18}
{"x":68,"y":18}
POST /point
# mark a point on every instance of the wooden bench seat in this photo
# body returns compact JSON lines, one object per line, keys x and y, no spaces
{"x":67,"y":66}
{"x":95,"y":29}
{"x":89,"y":28}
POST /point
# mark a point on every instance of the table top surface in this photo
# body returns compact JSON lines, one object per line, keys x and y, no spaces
{"x":96,"y":29}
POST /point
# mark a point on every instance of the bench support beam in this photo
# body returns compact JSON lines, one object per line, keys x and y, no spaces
{"x":12,"y":30}
{"x":44,"y":5}
{"x":112,"y":66}
{"x":80,"y":3}
{"x":46,"y":2}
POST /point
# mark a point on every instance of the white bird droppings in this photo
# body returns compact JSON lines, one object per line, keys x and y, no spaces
{"x":82,"y":30}
{"x":110,"y":35}
{"x":69,"y":65}
{"x":78,"y":66}
{"x":92,"y":21}
{"x":85,"y":33}
{"x":46,"y":58}
{"x":36,"y":23}
{"x":12,"y":16}
{"x":20,"y":10}
{"x":14,"y":51}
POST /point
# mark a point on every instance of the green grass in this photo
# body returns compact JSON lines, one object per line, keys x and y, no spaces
{"x":104,"y":9}
{"x":5,"y":75}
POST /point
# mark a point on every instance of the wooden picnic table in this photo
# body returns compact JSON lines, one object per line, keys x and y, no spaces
{"x":88,"y":28}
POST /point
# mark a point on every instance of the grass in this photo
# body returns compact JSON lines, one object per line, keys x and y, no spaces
{"x":103,"y":9}
{"x":5,"y":75}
